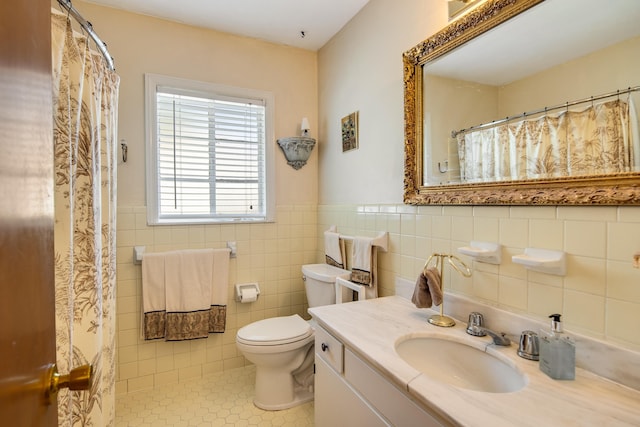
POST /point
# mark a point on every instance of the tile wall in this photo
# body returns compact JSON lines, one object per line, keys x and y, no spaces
{"x":599,"y":297}
{"x":271,"y":254}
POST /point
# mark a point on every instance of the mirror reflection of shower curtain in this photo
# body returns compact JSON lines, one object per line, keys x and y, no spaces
{"x":599,"y":139}
{"x":85,"y":105}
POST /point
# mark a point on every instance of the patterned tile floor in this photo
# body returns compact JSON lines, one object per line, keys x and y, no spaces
{"x":223,"y":399}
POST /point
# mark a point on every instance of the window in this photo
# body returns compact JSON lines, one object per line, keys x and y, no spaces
{"x":207,"y":154}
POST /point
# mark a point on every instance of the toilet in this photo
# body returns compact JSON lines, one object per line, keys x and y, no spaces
{"x":282,"y":348}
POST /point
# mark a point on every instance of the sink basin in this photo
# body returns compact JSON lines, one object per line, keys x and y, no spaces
{"x":460,"y":365}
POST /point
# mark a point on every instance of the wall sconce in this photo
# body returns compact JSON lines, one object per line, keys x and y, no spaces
{"x":297,"y":149}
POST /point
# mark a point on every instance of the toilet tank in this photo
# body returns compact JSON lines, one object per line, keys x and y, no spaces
{"x":319,"y":283}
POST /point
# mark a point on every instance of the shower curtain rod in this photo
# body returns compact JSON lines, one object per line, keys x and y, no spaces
{"x":546,"y":109}
{"x":86,"y":25}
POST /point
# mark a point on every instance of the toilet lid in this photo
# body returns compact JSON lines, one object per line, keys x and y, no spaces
{"x":275,"y":330}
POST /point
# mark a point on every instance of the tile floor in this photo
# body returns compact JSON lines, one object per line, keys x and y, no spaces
{"x":223,"y":399}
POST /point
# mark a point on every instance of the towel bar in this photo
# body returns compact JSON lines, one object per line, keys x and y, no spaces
{"x":381,"y":240}
{"x":138,"y":253}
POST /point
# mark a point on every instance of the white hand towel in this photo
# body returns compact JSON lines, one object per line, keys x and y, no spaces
{"x":220,"y":289}
{"x":153,"y":315}
{"x":362,"y":265}
{"x":362,"y":253}
{"x":188,"y":280}
{"x":334,"y":249}
{"x":188,"y":285}
{"x":153,"y":296}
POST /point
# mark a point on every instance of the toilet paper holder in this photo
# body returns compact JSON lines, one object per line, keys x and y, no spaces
{"x":247,"y":288}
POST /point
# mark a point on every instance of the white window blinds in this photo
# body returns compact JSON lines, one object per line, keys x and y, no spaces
{"x":210,"y":159}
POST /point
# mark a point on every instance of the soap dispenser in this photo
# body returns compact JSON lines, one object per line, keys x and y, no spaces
{"x":557,"y":352}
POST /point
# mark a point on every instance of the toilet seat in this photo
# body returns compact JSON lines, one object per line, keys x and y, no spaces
{"x":275,"y":331}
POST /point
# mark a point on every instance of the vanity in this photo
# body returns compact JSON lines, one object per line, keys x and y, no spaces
{"x":361,"y":379}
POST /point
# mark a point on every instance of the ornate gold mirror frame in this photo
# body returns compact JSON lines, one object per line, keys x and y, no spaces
{"x":612,"y":189}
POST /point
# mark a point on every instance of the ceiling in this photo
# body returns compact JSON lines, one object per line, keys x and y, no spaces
{"x":277,"y":21}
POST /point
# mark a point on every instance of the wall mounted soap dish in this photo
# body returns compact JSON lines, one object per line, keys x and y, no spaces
{"x":543,"y":260}
{"x":490,"y":253}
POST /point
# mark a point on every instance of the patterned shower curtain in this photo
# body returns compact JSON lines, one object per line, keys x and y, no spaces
{"x":85,"y":100}
{"x":600,"y":139}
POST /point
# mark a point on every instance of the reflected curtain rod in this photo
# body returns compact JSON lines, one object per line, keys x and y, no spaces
{"x":86,"y":25}
{"x":546,"y":110}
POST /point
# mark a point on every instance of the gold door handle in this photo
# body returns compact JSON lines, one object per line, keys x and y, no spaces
{"x":79,"y":378}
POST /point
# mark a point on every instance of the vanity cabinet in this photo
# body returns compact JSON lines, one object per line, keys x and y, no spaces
{"x":350,"y":392}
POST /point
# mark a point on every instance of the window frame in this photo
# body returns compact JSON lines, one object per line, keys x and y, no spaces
{"x":198,"y":88}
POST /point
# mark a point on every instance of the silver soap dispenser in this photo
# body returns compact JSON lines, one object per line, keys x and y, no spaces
{"x":557,"y":352}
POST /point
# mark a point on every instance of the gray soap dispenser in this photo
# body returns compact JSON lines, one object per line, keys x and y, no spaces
{"x":557,"y":352}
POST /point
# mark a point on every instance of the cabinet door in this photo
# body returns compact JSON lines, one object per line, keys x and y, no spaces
{"x":388,"y":400}
{"x":337,"y":404}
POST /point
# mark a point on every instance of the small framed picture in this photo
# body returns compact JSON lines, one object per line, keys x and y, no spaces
{"x":350,"y":132}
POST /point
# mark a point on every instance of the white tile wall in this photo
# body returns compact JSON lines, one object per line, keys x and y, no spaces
{"x":599,"y":296}
{"x":271,"y":254}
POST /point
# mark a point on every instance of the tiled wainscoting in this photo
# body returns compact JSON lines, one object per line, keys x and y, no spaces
{"x":271,"y":254}
{"x":599,"y":297}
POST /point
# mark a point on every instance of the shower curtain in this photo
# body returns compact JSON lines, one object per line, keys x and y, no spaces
{"x":85,"y":100}
{"x":599,"y":139}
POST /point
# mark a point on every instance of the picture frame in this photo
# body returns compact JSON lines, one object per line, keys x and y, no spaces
{"x":350,"y":132}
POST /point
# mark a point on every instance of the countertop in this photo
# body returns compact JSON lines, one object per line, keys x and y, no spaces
{"x":371,"y":329}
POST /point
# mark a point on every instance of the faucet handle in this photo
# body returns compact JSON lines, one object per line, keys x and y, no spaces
{"x":476,"y":324}
{"x":529,"y":347}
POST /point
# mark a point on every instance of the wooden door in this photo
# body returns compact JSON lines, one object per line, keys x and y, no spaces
{"x":27,"y":330}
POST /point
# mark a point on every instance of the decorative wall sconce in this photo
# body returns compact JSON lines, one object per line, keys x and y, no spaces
{"x":297,"y":149}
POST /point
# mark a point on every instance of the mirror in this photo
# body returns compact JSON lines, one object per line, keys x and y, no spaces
{"x":503,"y":64}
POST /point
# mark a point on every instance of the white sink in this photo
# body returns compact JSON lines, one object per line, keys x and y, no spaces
{"x":460,"y":365}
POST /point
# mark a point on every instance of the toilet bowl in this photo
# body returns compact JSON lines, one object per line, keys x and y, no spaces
{"x":278,"y":346}
{"x":282,"y":347}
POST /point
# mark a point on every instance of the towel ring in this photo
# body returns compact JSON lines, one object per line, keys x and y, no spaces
{"x":453,"y":260}
{"x":459,"y":265}
{"x":426,"y":264}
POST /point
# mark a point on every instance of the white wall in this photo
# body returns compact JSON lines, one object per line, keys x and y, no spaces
{"x":361,"y":70}
{"x":604,"y":71}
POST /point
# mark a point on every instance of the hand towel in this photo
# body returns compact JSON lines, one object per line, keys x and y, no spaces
{"x":153,"y":296}
{"x":428,"y":290}
{"x":219,"y":291}
{"x":333,"y":249}
{"x":188,"y":289}
{"x":364,"y":265}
